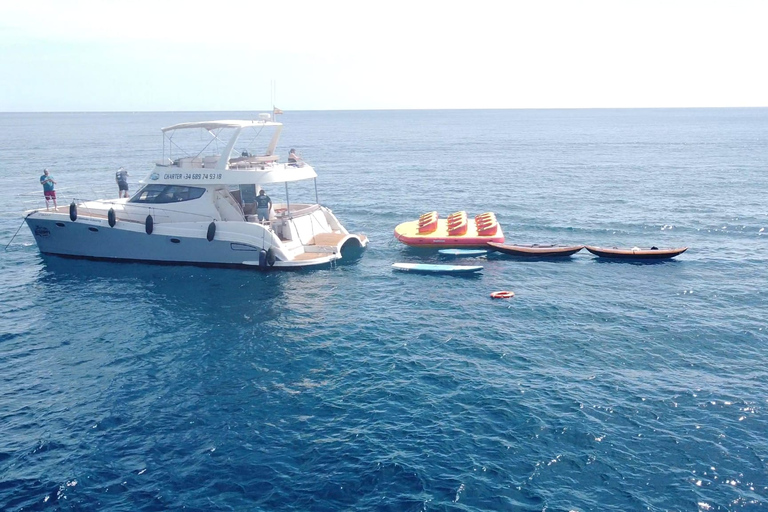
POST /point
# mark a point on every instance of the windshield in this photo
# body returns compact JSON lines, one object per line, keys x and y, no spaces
{"x":159,"y":194}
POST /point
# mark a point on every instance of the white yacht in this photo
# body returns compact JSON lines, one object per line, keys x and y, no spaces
{"x":198,"y":207}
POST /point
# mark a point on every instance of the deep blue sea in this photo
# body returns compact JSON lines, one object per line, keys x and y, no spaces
{"x":599,"y":386}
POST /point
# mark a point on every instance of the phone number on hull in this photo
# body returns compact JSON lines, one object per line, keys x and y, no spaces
{"x":201,"y":176}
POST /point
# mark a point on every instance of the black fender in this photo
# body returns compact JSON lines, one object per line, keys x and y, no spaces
{"x":73,"y":212}
{"x":111,"y":217}
{"x":211,"y":231}
{"x":149,"y":224}
{"x":262,"y":259}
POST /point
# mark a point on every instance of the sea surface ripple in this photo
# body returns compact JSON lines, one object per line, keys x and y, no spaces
{"x":599,"y":386}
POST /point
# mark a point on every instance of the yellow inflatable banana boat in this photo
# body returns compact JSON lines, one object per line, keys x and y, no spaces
{"x":457,"y":230}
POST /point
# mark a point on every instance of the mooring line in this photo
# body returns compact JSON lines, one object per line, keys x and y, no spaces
{"x":16,"y":233}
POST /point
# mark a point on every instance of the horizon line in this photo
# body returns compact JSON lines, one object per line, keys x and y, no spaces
{"x":362,"y":110}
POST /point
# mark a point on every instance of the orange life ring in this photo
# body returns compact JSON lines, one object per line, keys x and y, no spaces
{"x":502,"y":295}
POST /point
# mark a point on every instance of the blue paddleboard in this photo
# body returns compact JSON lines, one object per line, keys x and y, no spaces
{"x":459,"y":253}
{"x":430,"y":268}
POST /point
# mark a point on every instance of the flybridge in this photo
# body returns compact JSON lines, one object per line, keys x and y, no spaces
{"x":225,"y":152}
{"x":223,"y":148}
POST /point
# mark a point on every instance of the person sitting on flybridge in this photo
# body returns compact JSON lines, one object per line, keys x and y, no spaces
{"x":294,"y":160}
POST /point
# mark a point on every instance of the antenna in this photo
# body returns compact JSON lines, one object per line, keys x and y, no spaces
{"x":275,"y":110}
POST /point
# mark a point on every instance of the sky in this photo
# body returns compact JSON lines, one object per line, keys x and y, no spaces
{"x":188,"y":55}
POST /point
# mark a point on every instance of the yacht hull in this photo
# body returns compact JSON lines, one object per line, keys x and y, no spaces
{"x":93,"y":238}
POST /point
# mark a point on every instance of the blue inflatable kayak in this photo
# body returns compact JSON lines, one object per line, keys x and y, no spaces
{"x":430,"y":268}
{"x":463,"y":253}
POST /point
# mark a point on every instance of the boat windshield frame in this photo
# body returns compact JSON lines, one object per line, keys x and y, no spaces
{"x":216,"y":129}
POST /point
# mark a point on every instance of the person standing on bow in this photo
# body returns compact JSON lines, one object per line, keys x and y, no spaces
{"x":46,"y":180}
{"x":263,"y":205}
{"x":121,"y":177}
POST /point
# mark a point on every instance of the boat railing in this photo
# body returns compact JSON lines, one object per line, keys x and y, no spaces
{"x":239,"y":163}
{"x":211,"y":161}
{"x":132,"y":209}
{"x":297,"y":210}
{"x":253,"y":162}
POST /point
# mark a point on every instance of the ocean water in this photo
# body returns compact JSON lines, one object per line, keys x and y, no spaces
{"x":599,"y":386}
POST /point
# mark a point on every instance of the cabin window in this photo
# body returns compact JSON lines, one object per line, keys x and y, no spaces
{"x":159,"y":194}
